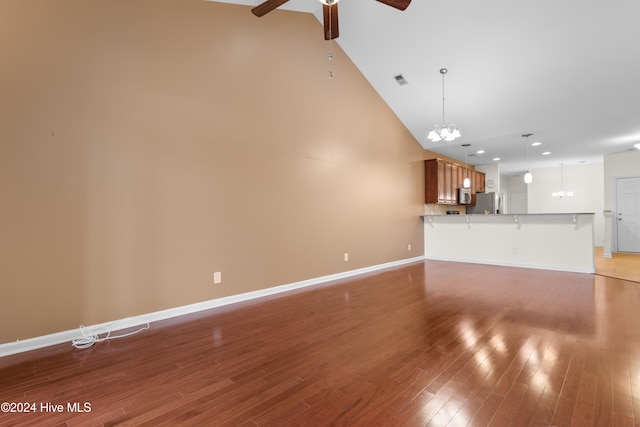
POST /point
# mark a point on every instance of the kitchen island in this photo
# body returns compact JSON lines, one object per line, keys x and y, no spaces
{"x":558,"y":241}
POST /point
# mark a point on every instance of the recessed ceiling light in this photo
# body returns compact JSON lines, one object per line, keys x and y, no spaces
{"x":496,"y":158}
{"x":535,"y":144}
{"x":480,"y":151}
{"x":546,"y":153}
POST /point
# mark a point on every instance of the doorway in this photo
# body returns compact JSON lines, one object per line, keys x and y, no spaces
{"x":628,"y":214}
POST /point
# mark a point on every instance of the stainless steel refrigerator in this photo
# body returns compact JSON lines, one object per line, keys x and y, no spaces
{"x":486,"y":203}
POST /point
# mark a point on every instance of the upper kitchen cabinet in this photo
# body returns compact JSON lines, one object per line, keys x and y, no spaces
{"x":479,"y":182}
{"x":437,"y":186}
{"x":442,"y":180}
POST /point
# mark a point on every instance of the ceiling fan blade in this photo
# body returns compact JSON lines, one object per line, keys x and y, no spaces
{"x":266,"y":7}
{"x":330,"y":24}
{"x":398,"y":4}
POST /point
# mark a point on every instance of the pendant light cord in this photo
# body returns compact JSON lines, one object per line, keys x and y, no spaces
{"x":443,"y":73}
{"x":330,"y":43}
{"x":527,"y":135}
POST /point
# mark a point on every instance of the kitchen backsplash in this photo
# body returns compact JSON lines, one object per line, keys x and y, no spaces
{"x":442,"y":209}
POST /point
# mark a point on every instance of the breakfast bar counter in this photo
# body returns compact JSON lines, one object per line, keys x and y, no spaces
{"x":551,"y":241}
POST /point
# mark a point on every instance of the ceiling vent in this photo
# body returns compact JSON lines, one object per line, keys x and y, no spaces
{"x":401,"y":80}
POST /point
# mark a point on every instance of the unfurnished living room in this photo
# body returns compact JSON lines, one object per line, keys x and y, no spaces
{"x":315,"y":213}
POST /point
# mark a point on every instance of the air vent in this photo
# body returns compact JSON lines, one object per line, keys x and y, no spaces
{"x":401,"y":80}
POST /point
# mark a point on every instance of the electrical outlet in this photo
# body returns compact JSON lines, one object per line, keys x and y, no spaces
{"x":217,"y":277}
{"x":346,"y":256}
{"x":409,"y":247}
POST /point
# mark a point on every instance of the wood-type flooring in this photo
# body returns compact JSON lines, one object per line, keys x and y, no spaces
{"x":625,"y":266}
{"x":431,"y":343}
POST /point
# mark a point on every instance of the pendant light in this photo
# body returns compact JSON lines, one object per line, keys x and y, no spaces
{"x":561,"y":194}
{"x":467,"y":182}
{"x":444,"y":132}
{"x":528,"y":178}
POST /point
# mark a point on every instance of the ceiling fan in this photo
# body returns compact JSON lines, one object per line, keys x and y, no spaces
{"x":329,"y":9}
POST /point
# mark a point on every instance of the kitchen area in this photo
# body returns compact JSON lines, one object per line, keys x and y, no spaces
{"x":469,"y":223}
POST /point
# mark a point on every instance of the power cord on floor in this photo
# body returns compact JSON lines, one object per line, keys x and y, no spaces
{"x":90,"y":337}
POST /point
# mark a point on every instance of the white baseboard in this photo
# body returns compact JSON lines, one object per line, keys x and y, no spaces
{"x":22,"y":346}
{"x":570,"y":269}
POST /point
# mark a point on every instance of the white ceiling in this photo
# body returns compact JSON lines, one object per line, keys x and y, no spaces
{"x":566,"y":71}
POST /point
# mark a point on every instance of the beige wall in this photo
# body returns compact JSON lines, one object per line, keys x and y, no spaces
{"x":145,"y":144}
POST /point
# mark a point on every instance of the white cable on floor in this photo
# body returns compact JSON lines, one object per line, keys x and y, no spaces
{"x":90,"y":337}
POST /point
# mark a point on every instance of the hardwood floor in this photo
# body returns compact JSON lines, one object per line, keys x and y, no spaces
{"x":432,"y":343}
{"x":625,"y":266}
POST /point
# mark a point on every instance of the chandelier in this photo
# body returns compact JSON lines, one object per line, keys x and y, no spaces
{"x":444,"y":132}
{"x":561,"y":194}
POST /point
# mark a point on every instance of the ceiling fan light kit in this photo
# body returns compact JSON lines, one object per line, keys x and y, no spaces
{"x":445,"y":132}
{"x":329,"y":10}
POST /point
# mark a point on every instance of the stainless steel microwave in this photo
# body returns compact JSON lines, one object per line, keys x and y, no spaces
{"x":464,"y":196}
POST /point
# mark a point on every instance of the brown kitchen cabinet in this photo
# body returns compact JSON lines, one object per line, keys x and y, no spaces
{"x":477,"y":184}
{"x":455,"y":182}
{"x":442,"y":180}
{"x":437,"y":182}
{"x":480,"y":182}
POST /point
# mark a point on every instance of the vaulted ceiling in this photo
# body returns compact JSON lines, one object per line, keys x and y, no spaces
{"x":567,"y":72}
